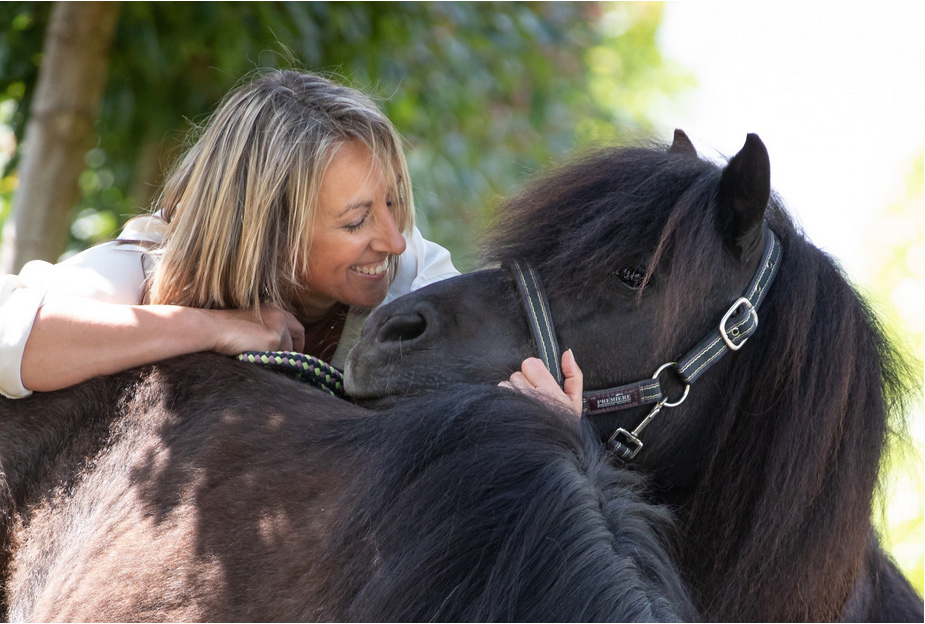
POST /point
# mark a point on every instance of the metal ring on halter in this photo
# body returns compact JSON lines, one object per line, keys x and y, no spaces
{"x":664,"y":402}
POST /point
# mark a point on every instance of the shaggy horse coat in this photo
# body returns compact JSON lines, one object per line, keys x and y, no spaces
{"x":207,"y":489}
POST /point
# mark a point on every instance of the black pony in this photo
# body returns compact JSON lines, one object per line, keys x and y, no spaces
{"x":207,"y":489}
{"x":772,"y":459}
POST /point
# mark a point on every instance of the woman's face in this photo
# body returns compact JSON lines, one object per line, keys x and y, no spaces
{"x":355,"y":233}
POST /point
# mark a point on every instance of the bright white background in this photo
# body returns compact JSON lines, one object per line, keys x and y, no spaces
{"x":834,"y":89}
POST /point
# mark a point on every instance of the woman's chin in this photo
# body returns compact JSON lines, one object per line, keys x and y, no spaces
{"x":367,"y":297}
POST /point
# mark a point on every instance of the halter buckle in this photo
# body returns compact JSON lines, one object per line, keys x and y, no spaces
{"x":722,"y":324}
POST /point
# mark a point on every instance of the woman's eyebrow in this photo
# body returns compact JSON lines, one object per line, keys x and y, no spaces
{"x":356,"y":206}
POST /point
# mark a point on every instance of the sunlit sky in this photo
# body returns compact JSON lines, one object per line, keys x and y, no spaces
{"x":834,"y":89}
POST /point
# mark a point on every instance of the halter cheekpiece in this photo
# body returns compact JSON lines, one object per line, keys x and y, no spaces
{"x":737,"y":325}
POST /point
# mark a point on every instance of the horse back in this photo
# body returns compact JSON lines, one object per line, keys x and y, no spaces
{"x":184,"y":500}
{"x":223,"y":492}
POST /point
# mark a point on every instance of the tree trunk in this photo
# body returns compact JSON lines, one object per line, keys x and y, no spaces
{"x":149,"y":168}
{"x":59,"y":132}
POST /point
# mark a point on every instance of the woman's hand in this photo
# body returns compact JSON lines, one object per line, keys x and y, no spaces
{"x":533,"y":376}
{"x":237,"y":331}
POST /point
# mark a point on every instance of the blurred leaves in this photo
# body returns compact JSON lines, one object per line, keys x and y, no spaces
{"x":896,"y":247}
{"x":484,"y":93}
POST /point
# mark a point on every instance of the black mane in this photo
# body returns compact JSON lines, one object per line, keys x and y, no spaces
{"x":514,"y":513}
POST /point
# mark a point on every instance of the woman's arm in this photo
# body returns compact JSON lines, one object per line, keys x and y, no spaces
{"x":65,"y":323}
{"x":74,"y":338}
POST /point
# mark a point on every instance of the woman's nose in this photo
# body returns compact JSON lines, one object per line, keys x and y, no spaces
{"x":388,"y":237}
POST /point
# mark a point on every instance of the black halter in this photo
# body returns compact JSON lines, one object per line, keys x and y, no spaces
{"x":738,"y":324}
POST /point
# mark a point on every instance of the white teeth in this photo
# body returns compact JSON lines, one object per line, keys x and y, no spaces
{"x":372,"y":270}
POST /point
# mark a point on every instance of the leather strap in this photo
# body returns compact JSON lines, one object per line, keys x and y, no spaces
{"x":740,"y":321}
{"x":736,"y":326}
{"x":538,"y":316}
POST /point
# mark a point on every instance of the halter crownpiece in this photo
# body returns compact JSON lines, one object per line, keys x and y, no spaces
{"x":737,"y":325}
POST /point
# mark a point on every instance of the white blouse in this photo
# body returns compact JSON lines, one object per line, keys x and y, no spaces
{"x":114,"y":272}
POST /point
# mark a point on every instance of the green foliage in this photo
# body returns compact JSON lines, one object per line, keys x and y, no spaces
{"x":484,"y":93}
{"x":22,"y":26}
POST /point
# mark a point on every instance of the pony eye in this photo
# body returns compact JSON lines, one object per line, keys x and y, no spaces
{"x":633,"y":278}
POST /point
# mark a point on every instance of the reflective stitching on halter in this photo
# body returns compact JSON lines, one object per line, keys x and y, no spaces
{"x":742,"y":322}
{"x":708,"y":348}
{"x":545,"y":317}
{"x":697,"y":357}
{"x":701,"y":359}
{"x":709,"y":360}
{"x":769,"y":262}
{"x":520,"y":276}
{"x":652,"y":391}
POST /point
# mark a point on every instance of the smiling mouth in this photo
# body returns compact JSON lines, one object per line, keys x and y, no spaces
{"x":371,"y":269}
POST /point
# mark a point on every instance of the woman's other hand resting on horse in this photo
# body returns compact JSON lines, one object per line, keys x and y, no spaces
{"x":122,"y":336}
{"x":533,"y":376}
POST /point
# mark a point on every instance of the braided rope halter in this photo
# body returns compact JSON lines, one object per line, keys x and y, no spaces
{"x":300,"y":366}
{"x":738,"y":324}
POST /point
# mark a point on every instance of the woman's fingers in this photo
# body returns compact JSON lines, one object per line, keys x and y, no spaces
{"x":574,"y":380}
{"x":290,"y":333}
{"x":285,"y":342}
{"x":534,"y":376}
{"x":240,"y":330}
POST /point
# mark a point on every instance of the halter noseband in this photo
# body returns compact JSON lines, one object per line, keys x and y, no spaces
{"x":738,"y":324}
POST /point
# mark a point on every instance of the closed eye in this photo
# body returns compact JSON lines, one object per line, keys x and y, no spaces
{"x":356,"y":225}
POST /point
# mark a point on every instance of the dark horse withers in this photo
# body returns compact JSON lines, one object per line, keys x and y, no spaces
{"x":772,"y":459}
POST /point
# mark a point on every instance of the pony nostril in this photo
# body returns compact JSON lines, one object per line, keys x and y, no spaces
{"x":402,"y":328}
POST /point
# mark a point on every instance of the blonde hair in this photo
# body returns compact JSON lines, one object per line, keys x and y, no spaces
{"x":241,"y":203}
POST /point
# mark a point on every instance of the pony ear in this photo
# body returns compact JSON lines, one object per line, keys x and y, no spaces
{"x":744,"y":192}
{"x":682,"y":145}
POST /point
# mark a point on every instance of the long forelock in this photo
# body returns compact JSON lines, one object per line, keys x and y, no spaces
{"x":615,"y":209}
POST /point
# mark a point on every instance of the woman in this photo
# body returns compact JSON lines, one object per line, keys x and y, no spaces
{"x":285,"y":222}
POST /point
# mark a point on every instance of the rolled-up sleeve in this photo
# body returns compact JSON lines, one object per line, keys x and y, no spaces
{"x":18,"y":307}
{"x":111,"y":272}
